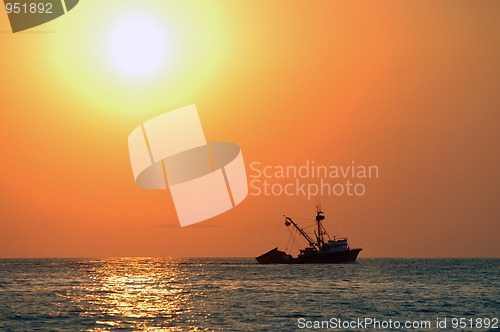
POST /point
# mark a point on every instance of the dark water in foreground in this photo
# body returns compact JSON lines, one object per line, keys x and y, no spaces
{"x":238,"y":295}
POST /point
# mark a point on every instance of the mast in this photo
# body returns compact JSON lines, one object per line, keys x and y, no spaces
{"x":320,"y":230}
{"x":289,"y":221}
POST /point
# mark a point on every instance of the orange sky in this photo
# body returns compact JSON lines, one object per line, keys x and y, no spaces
{"x":412,"y":87}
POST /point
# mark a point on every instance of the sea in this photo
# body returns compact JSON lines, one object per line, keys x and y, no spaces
{"x":237,"y":294}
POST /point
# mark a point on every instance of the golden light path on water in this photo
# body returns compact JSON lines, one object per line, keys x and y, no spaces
{"x":138,"y":293}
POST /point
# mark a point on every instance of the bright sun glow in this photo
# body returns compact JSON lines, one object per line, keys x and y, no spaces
{"x":138,"y":57}
{"x":137,"y":46}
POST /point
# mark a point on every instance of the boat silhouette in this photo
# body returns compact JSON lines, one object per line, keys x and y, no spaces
{"x":319,"y":251}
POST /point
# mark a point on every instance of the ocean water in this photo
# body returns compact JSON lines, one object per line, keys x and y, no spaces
{"x":235,"y":294}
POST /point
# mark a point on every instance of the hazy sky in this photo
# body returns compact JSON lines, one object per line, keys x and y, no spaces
{"x":411,"y":87}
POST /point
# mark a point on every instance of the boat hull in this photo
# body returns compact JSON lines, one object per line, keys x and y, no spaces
{"x":276,"y":256}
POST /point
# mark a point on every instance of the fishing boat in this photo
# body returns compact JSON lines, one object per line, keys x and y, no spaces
{"x":322,"y":249}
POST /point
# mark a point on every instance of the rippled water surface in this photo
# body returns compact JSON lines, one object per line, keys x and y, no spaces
{"x":237,"y":294}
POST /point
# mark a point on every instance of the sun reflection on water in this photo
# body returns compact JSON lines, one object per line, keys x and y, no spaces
{"x":137,"y":293}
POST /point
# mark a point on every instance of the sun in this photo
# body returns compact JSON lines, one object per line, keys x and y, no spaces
{"x":137,"y":46}
{"x":138,"y":57}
